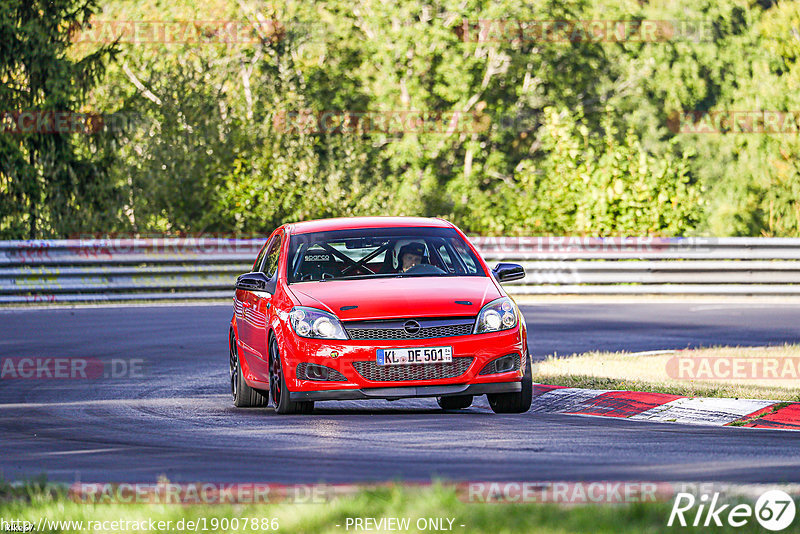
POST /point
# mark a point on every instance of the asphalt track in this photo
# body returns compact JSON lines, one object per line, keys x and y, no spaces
{"x":175,"y":417}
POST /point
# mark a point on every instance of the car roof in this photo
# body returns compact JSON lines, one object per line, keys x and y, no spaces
{"x":348,"y":223}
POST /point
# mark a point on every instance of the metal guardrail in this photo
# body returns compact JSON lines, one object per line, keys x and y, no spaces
{"x":122,"y":269}
{"x":205,"y":268}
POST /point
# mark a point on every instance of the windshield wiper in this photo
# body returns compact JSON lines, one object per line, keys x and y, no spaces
{"x":412,"y":275}
{"x":387,"y":275}
{"x":360,"y":276}
{"x":379,"y":275}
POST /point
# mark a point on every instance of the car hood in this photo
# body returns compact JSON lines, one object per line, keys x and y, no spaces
{"x":387,"y":298}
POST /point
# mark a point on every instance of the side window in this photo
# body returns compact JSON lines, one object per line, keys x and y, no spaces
{"x":273,"y":252}
{"x":260,"y":258}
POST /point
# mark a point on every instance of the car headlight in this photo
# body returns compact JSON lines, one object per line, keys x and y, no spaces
{"x":314,"y":323}
{"x":500,"y":314}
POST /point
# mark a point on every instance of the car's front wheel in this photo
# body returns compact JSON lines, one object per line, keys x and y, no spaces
{"x":518,"y":402}
{"x":243,"y":395}
{"x":277,"y":386}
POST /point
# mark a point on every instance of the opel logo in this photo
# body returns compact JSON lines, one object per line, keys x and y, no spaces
{"x":412,"y":327}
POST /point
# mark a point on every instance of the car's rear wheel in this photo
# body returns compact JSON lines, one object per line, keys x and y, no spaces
{"x":454,"y":402}
{"x":518,"y":402}
{"x":278,"y":392}
{"x":243,"y":395}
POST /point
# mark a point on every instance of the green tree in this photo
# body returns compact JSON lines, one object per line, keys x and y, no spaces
{"x":590,"y":184}
{"x":53,"y":183}
{"x":561,"y":136}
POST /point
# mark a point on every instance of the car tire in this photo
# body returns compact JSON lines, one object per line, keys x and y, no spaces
{"x":278,"y":392}
{"x":243,"y":395}
{"x":518,"y":402}
{"x":454,"y":402}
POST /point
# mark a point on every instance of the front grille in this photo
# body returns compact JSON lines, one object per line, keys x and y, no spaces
{"x":425,"y":371}
{"x":491,"y":367}
{"x":395,"y":329}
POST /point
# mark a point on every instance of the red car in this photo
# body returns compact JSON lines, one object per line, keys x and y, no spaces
{"x":376,"y":308}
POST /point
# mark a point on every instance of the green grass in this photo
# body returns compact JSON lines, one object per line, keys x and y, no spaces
{"x":648,"y":372}
{"x":39,"y":500}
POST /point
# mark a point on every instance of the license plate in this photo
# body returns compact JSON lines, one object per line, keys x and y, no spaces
{"x":415,"y":355}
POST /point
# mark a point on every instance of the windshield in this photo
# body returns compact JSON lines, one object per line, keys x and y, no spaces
{"x":380,"y":252}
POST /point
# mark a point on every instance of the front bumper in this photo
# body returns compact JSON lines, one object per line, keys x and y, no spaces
{"x":342,"y":355}
{"x":406,"y":392}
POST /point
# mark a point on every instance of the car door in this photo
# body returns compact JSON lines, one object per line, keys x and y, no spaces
{"x":252,"y":324}
{"x":241,"y":300}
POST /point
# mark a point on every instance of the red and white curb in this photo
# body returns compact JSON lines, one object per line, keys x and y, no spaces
{"x":664,"y":408}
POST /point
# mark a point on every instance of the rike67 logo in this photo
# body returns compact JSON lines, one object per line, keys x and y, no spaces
{"x":774,"y":510}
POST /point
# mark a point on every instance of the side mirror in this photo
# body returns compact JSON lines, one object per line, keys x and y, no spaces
{"x":506,"y":272}
{"x":256,"y":281}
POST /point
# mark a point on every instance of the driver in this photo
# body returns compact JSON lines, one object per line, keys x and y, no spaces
{"x":410,"y":255}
